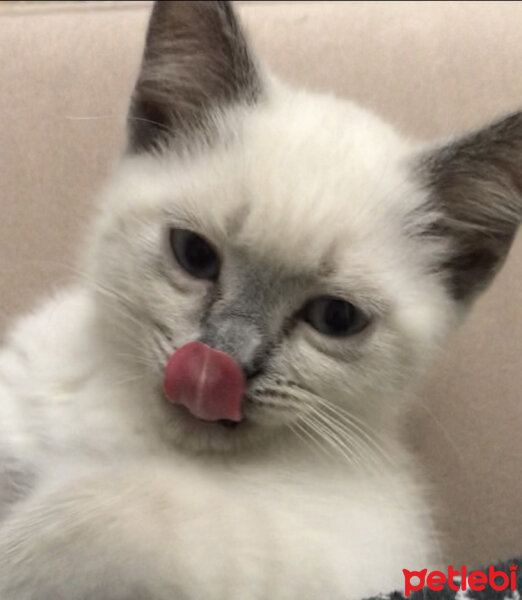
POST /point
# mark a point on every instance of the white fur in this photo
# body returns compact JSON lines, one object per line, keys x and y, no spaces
{"x":133,"y":501}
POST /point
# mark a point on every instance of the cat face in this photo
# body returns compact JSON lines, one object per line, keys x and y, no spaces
{"x":297,"y":233}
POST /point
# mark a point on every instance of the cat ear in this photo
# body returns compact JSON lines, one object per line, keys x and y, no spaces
{"x":476,"y":185}
{"x":196,"y":59}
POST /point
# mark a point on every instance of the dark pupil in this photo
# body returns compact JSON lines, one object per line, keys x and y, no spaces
{"x":337,"y":315}
{"x":194,"y":254}
{"x":198,"y":253}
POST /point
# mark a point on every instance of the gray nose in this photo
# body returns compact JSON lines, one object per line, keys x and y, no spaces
{"x":240,"y":338}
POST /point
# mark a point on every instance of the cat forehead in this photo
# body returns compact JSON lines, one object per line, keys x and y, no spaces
{"x":298,"y":178}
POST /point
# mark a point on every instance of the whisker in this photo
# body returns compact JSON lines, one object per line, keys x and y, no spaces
{"x":87,"y":118}
{"x":349,"y":430}
{"x":360,"y":448}
{"x":122,"y":382}
{"x":163,"y":345}
{"x":321,"y":447}
{"x":351,"y":443}
{"x":142,"y":360}
{"x":295,"y":429}
{"x":330,"y":438}
{"x":103,"y":289}
{"x":375,"y":441}
{"x":162,"y":126}
{"x":373,"y":438}
{"x":446,"y":435}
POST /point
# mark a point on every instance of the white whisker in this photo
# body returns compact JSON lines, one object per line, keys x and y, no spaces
{"x":330,"y":438}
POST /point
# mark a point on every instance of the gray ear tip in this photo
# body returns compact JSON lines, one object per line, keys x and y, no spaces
{"x":475,"y":184}
{"x":196,"y":60}
{"x":163,"y":8}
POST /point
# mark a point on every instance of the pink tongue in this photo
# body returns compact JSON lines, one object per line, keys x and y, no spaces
{"x":207,"y":382}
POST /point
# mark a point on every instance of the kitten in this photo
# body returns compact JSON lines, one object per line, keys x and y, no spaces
{"x":215,"y":411}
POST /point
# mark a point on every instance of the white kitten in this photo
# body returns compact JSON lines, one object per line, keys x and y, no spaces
{"x":295,"y":263}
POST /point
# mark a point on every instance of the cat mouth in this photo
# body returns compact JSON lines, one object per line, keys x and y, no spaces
{"x":193,"y":433}
{"x":228,"y":424}
{"x":192,"y":419}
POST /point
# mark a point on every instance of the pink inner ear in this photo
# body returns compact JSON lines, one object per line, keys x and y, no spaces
{"x":209,"y":383}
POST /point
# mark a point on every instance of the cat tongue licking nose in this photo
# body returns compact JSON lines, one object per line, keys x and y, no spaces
{"x":209,"y":383}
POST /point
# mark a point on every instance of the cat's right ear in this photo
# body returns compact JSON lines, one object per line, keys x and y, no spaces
{"x":196,"y":59}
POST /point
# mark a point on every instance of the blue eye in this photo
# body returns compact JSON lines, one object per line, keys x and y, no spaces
{"x":334,"y":317}
{"x":194,"y":254}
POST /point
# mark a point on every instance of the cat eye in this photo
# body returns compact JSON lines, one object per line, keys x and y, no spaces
{"x":194,"y":254}
{"x":334,"y":317}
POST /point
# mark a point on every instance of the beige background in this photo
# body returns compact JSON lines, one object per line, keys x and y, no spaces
{"x":431,"y":67}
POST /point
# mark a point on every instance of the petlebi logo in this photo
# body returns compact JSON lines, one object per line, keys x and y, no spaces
{"x":460,"y":580}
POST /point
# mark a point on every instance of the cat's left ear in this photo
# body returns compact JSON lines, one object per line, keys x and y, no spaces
{"x":196,"y":59}
{"x":475,"y":184}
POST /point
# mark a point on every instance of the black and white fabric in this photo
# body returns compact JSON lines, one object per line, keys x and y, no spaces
{"x":447,"y":593}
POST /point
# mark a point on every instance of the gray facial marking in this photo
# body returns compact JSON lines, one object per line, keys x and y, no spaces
{"x":476,"y":182}
{"x":237,"y":336}
{"x":196,"y":59}
{"x":249,"y":318}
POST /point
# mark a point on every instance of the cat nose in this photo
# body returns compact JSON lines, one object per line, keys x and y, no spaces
{"x":240,"y":338}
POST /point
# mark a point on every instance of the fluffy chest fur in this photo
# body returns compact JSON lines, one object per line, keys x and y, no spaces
{"x":280,"y":512}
